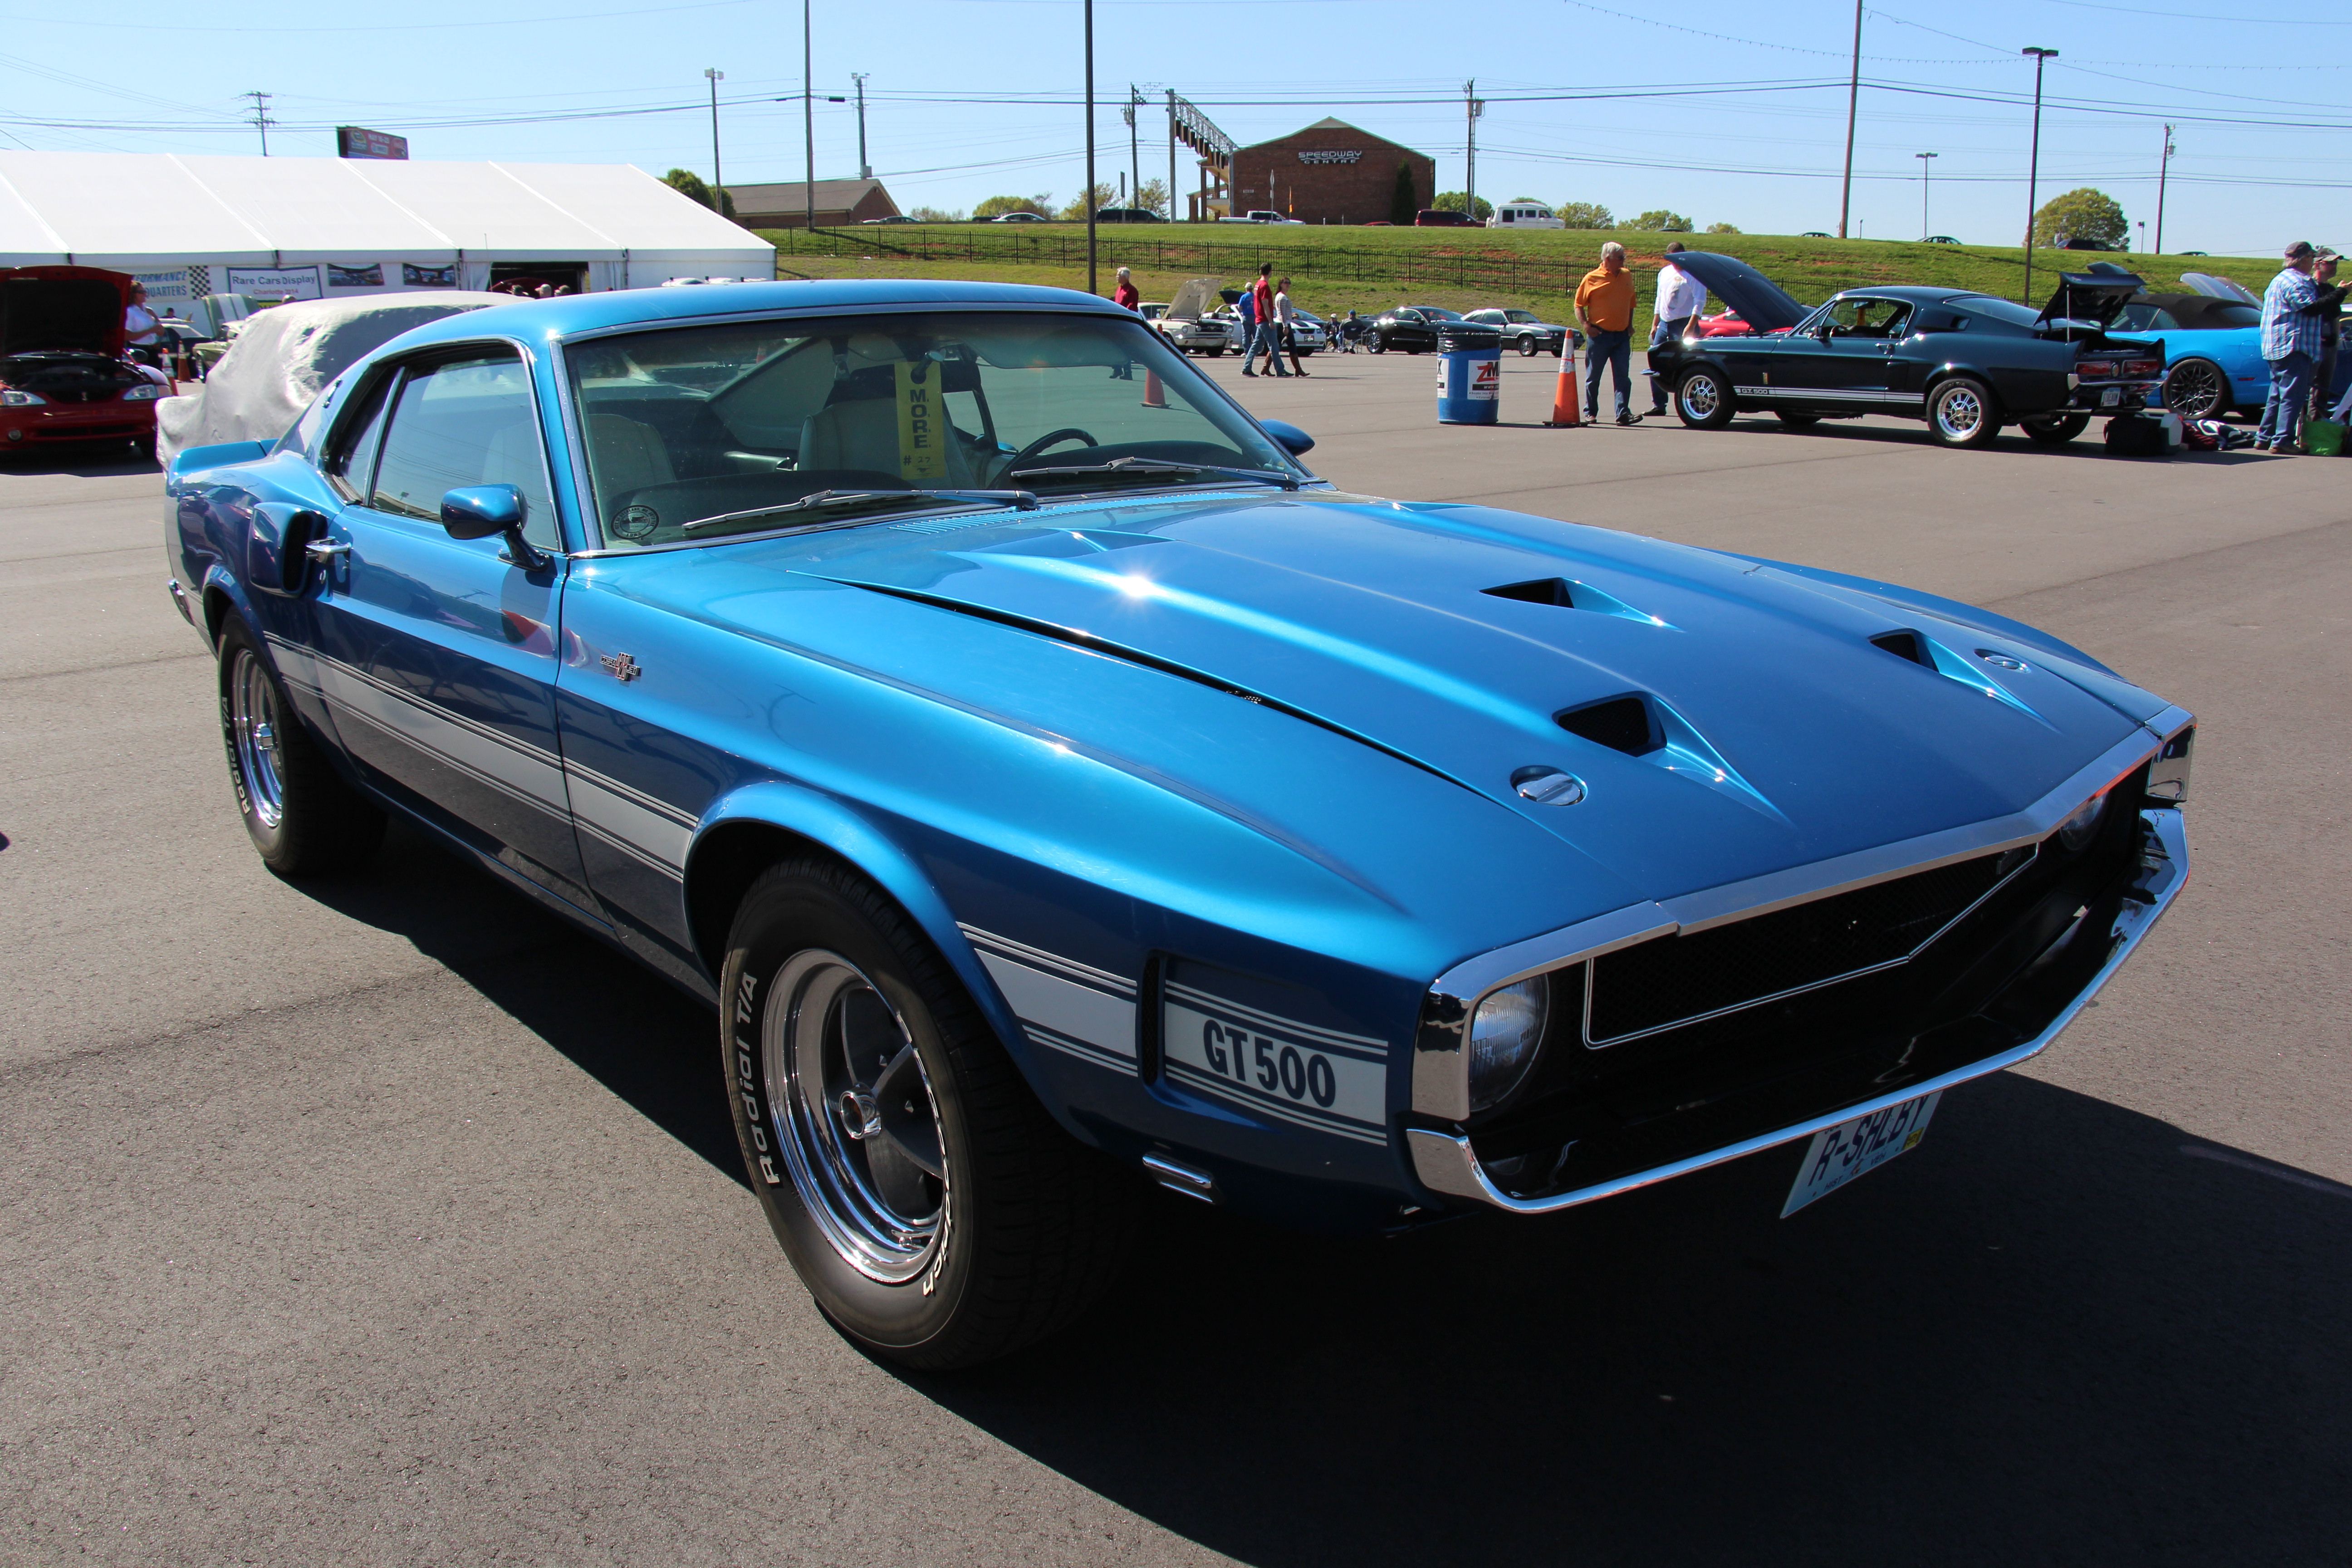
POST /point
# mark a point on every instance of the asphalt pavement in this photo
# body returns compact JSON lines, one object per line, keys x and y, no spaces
{"x":384,"y":1220}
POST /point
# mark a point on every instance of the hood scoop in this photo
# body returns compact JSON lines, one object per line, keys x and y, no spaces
{"x":1572,"y":595}
{"x":1643,"y":727}
{"x":1928,"y":654}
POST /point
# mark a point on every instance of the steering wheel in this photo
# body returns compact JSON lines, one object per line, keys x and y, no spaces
{"x":1067,"y":433}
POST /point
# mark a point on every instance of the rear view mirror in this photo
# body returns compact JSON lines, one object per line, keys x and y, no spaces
{"x":477,"y":512}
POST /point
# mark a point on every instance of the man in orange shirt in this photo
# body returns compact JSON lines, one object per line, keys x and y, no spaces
{"x":1604,"y":305}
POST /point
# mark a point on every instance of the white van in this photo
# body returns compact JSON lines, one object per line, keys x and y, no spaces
{"x":1524,"y":215}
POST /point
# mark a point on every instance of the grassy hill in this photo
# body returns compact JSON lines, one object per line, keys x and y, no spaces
{"x":1369,"y":269}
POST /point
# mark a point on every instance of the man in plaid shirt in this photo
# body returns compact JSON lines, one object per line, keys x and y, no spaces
{"x":2291,"y":342}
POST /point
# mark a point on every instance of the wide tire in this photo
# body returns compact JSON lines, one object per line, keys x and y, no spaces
{"x":2197,"y":389}
{"x":1796,"y":421}
{"x":301,"y":815}
{"x":1961,"y":413}
{"x":937,"y":1215}
{"x":2055,"y":432}
{"x":1703,"y":398}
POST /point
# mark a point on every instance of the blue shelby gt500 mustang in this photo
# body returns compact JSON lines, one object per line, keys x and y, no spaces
{"x":1051,"y":782}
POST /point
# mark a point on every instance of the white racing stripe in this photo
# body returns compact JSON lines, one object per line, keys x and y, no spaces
{"x":1056,"y":1011}
{"x":1322,"y":1078}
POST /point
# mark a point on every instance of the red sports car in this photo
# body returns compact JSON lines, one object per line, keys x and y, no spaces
{"x":63,"y":375}
{"x":1729,"y":325}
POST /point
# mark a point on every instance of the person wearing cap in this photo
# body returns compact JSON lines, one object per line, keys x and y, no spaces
{"x":2291,"y":344}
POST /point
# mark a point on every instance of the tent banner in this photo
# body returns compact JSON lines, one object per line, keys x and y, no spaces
{"x":360,"y":275}
{"x":417,"y":276}
{"x":287,"y":282}
{"x":166,"y":288}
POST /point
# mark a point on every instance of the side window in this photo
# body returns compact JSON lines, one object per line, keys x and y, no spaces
{"x":351,"y":460}
{"x":466,"y":421}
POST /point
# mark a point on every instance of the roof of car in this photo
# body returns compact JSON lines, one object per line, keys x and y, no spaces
{"x":1914,"y":293}
{"x":548,"y":320}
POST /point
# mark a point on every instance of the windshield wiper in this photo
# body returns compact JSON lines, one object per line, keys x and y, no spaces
{"x":1161,"y":466}
{"x":826,"y":500}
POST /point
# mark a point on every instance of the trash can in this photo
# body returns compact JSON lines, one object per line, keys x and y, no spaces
{"x":1469,"y":373}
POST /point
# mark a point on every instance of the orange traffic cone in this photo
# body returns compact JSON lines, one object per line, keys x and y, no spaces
{"x":1563,"y":396}
{"x":1154,"y":395}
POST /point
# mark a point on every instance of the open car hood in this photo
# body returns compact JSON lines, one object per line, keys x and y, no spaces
{"x":2097,"y":296}
{"x":1763,"y":304}
{"x":1765,"y":730}
{"x":1196,"y":299}
{"x":70,"y":309}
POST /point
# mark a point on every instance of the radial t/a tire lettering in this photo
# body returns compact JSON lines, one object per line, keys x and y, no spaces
{"x":934,"y":1210}
{"x":301,"y":815}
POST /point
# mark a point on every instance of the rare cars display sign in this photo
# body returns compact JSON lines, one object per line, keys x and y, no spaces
{"x":282,"y":282}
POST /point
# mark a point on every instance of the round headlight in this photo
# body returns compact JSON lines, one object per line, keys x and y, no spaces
{"x":2077,"y":829}
{"x":1504,"y":1034}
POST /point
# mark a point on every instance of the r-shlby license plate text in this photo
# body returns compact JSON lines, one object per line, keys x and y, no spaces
{"x":1838,"y":1154}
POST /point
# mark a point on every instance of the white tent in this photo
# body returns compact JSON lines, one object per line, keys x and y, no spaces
{"x":333,"y":227}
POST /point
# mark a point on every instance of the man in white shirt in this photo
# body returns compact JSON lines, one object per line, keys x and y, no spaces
{"x":1286,"y":317}
{"x":142,"y":329}
{"x":1680,"y":298}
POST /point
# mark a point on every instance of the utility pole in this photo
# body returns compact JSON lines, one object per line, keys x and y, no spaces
{"x":808,"y":113}
{"x":718,"y":179}
{"x":1470,"y":108}
{"x":1092,"y":279}
{"x":2163,"y":168}
{"x":2034,"y":167}
{"x":1171,"y":154}
{"x":1853,"y":103}
{"x":865,"y":169}
{"x":1924,"y":167}
{"x":261,"y":120}
{"x":1134,"y":146}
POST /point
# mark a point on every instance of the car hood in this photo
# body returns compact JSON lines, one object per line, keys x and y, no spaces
{"x":1777,"y":732}
{"x":71,"y":309}
{"x":2098,"y":295}
{"x":1761,"y":302}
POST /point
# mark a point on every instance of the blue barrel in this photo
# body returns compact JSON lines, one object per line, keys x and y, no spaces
{"x":1469,"y":373}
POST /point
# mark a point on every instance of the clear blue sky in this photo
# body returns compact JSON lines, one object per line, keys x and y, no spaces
{"x":972,"y":98}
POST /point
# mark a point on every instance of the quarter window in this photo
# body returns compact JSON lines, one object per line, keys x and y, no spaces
{"x":466,"y":421}
{"x":351,"y":462}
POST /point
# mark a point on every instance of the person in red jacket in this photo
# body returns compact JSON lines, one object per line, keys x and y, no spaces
{"x":1125,"y":292}
{"x":1269,"y":332}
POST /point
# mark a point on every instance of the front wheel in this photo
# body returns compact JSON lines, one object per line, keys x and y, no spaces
{"x":1379,"y":345}
{"x":1527,"y":348}
{"x":1960,"y":413}
{"x":1703,"y":399}
{"x":2055,"y":431}
{"x":933,"y":1209}
{"x":300,"y":816}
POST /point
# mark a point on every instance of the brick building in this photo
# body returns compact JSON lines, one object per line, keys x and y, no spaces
{"x":1329,"y":173}
{"x":839,"y":203}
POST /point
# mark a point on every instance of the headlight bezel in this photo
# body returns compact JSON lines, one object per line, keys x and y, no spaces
{"x":1515,"y":1042}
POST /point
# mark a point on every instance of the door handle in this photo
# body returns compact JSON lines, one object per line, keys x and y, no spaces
{"x":325,"y":549}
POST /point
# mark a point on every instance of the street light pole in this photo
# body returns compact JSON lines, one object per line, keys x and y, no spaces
{"x":2034,"y":167}
{"x":717,"y":176}
{"x":1853,"y":102}
{"x":1092,"y":279}
{"x":1924,"y":167}
{"x":865,"y":169}
{"x":2163,"y":168}
{"x":808,"y":116}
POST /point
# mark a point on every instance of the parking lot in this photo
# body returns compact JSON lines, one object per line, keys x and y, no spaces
{"x":385,"y":1220}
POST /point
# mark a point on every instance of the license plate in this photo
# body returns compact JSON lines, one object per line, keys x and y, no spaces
{"x":1838,"y":1154}
{"x":2111,"y":397}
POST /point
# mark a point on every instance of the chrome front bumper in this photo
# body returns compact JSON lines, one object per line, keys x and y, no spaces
{"x":1447,"y":1166}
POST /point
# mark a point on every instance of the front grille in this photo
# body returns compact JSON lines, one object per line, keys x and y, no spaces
{"x":1680,"y":979}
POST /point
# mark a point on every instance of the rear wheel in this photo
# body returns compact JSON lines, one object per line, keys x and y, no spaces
{"x":1961,"y":413}
{"x":1796,"y":421}
{"x":1703,"y":399}
{"x":2055,"y":431}
{"x":302,"y":817}
{"x":933,"y":1209}
{"x":2196,"y":389}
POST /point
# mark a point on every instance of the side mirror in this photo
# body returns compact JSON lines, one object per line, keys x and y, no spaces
{"x":1288,"y":436}
{"x":477,"y":512}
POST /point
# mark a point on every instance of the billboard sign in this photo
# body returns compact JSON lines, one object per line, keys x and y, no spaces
{"x":353,"y":142}
{"x":283,"y":282}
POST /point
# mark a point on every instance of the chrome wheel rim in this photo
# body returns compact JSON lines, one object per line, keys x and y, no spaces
{"x":1959,"y":413}
{"x":1700,"y":396}
{"x":854,"y":1115}
{"x":253,"y":728}
{"x":2193,"y":391}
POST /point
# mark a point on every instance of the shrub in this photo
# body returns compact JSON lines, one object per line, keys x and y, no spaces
{"x":1585,"y":215}
{"x":997,"y":206}
{"x":1459,"y":202}
{"x":1403,"y":202}
{"x":1658,"y":220}
{"x":692,"y":187}
{"x":1722,"y":229}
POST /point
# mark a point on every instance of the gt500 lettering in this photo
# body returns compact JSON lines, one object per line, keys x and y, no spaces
{"x":1273,"y":1068}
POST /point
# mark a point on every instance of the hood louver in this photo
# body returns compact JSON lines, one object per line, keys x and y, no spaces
{"x":1571,"y":595}
{"x":1929,"y":654}
{"x":1621,"y":724}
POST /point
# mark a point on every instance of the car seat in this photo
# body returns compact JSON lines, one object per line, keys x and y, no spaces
{"x":864,"y":435}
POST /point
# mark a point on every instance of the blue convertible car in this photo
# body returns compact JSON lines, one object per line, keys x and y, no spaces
{"x":1053,"y":785}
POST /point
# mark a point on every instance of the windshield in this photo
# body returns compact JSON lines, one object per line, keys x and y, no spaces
{"x":728,"y":424}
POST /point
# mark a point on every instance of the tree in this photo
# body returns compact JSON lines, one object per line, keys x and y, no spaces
{"x":1154,"y":197}
{"x":1722,"y":229}
{"x":997,"y":206}
{"x":1585,"y":215}
{"x":1658,"y":220}
{"x":2086,"y":215}
{"x":692,"y":187}
{"x":934,"y":215}
{"x":1404,"y":201}
{"x":1459,"y":202}
{"x":1104,"y":195}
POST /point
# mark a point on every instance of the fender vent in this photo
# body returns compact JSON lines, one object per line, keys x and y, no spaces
{"x":1621,"y":724}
